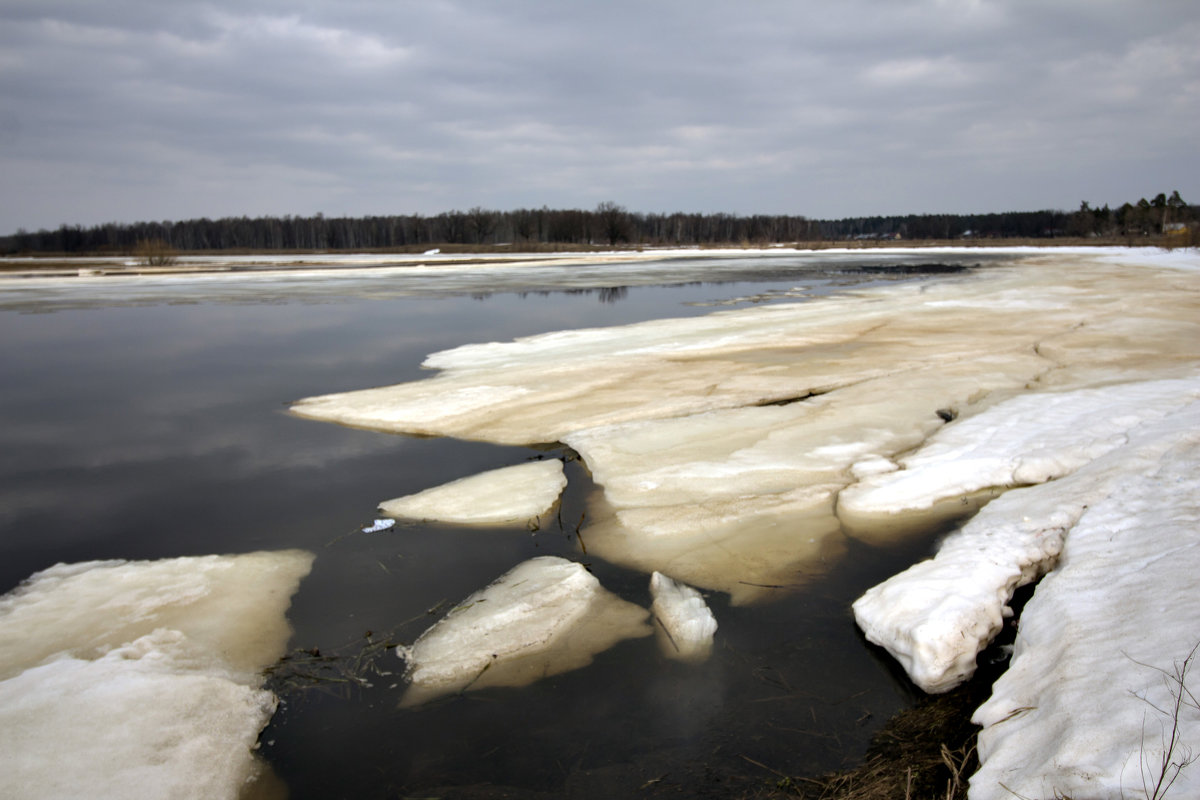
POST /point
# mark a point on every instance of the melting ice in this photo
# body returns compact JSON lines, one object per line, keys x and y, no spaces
{"x":122,"y":679}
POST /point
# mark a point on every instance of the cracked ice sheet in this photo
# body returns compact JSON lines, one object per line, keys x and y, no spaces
{"x":669,"y":414}
{"x":506,"y":496}
{"x":1075,"y":713}
{"x":543,"y":617}
{"x":120,"y":678}
{"x":936,"y":616}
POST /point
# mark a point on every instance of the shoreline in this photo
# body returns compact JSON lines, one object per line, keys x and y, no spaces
{"x":203,"y":262}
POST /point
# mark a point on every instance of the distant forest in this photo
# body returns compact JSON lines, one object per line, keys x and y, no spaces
{"x":607,"y":224}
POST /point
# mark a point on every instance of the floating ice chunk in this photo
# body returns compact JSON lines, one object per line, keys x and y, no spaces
{"x":545,"y":616}
{"x":233,"y":607}
{"x":1028,"y":439}
{"x":505,"y":496}
{"x":379,"y":525}
{"x":1083,"y":710}
{"x":141,"y":677}
{"x":134,"y":722}
{"x":685,"y":623}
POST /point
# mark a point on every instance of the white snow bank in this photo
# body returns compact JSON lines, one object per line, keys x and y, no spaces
{"x":506,"y":496}
{"x":1027,"y":440}
{"x":545,"y":616}
{"x":123,"y":678}
{"x":936,"y":616}
{"x":1083,"y":710}
{"x":685,"y":623}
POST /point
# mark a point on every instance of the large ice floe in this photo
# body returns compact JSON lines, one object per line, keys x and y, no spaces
{"x":122,"y":679}
{"x":737,"y":452}
{"x":506,"y":496}
{"x":545,"y":616}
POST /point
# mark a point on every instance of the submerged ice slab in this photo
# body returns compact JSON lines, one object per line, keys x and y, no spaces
{"x":936,"y":616}
{"x":1085,"y":708}
{"x":120,"y":678}
{"x":685,"y":624}
{"x":545,"y":616}
{"x":506,"y":496}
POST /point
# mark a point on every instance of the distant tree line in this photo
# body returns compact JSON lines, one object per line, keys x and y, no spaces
{"x":607,"y":224}
{"x":1162,"y":215}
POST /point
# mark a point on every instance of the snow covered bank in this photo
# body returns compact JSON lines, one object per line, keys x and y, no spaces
{"x":1023,"y":441}
{"x":1086,"y":706}
{"x":545,"y":616}
{"x":936,"y":616}
{"x":141,"y":678}
{"x":506,"y":496}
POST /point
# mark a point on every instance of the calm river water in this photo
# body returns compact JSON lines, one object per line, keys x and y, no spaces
{"x":146,"y":419}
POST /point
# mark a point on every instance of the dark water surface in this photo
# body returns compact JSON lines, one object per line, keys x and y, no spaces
{"x":157,"y":428}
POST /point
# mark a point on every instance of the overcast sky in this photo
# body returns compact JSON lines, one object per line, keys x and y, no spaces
{"x":126,"y":110}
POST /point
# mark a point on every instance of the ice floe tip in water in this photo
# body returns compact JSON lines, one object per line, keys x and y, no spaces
{"x":685,"y":623}
{"x":506,"y":496}
{"x":545,"y":616}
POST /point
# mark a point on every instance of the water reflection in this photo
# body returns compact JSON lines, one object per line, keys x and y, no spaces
{"x":144,"y":420}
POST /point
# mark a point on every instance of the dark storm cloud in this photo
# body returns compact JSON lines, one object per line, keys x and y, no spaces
{"x":139,"y":110}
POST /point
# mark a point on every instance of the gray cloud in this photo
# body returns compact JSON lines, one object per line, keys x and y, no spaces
{"x":138,"y":110}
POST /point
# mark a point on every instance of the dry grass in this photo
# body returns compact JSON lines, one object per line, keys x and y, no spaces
{"x":924,"y":753}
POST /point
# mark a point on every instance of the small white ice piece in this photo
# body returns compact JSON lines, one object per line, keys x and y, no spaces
{"x":378,"y":525}
{"x":545,"y":616}
{"x":685,"y":623}
{"x":505,"y":496}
